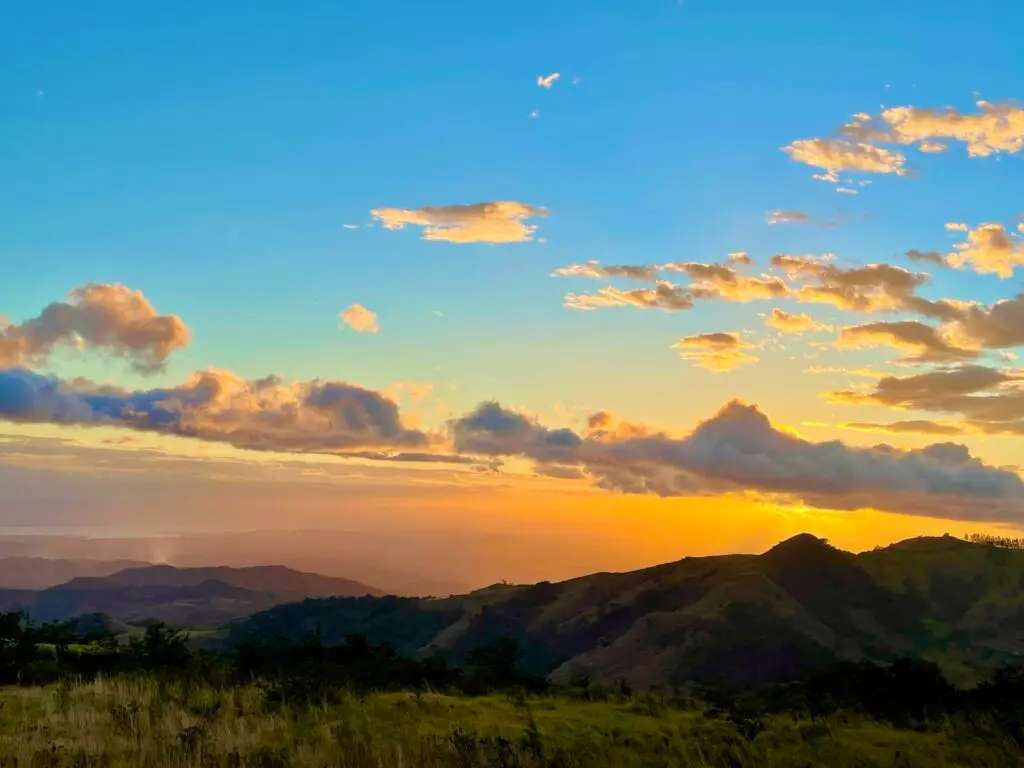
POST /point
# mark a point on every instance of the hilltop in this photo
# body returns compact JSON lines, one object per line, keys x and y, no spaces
{"x":744,"y":619}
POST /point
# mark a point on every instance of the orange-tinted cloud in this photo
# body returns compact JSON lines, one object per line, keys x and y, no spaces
{"x":835,"y":156}
{"x":794,"y":323}
{"x":718,"y":352}
{"x":359,"y":319}
{"x":989,"y":250}
{"x":980,"y":394}
{"x":994,"y":128}
{"x":664,"y":295}
{"x":497,"y":222}
{"x":921,"y":343}
{"x":108,"y":317}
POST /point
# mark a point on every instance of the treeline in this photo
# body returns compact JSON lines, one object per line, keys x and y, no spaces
{"x":37,"y":654}
{"x":1004,"y":542}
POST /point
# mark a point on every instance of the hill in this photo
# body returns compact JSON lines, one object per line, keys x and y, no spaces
{"x":744,"y":619}
{"x":41,"y":572}
{"x":186,"y":597}
{"x":284,"y":583}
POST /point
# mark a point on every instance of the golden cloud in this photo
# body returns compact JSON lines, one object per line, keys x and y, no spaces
{"x":359,"y":319}
{"x":101,"y":316}
{"x":496,"y":222}
{"x":717,"y":352}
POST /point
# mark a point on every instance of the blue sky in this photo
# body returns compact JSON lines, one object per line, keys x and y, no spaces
{"x":210,"y":154}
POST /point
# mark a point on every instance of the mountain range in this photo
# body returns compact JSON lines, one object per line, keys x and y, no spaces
{"x":741,"y":619}
{"x":185,"y":597}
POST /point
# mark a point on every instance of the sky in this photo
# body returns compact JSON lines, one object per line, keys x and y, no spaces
{"x":636,"y":280}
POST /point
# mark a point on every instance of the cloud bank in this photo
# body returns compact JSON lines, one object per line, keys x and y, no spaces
{"x":738,"y":450}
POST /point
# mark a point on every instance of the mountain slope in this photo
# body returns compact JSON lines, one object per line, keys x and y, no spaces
{"x":741,"y":618}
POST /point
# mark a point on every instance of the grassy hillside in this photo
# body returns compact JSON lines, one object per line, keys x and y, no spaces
{"x":746,"y":619}
{"x":144,"y":722}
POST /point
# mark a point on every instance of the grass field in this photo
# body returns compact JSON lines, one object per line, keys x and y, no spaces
{"x":146,"y":723}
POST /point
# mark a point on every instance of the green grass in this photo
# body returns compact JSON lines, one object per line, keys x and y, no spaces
{"x":144,"y":723}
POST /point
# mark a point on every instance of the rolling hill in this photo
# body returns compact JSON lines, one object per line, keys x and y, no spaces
{"x":744,"y":619}
{"x":186,"y":597}
{"x":41,"y":572}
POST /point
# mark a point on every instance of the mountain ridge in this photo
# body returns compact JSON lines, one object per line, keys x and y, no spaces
{"x":187,"y":597}
{"x":745,"y":619}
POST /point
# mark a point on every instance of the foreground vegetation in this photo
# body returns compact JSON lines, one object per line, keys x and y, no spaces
{"x":73,"y":700}
{"x":153,"y":722}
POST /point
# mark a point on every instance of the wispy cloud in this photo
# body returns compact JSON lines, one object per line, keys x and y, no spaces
{"x":717,"y":352}
{"x":496,"y":222}
{"x":794,"y":323}
{"x":788,"y":217}
{"x":921,"y":343}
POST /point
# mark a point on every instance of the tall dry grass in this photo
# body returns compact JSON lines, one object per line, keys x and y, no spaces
{"x":145,"y":722}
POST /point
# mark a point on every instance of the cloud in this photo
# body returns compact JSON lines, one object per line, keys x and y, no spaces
{"x":718,"y":281}
{"x":994,"y":326}
{"x":739,"y":450}
{"x":710,"y":281}
{"x":546,"y":81}
{"x":980,"y":394}
{"x":263,"y":414}
{"x":496,"y":222}
{"x":359,"y":319}
{"x":917,"y":426}
{"x":995,"y":128}
{"x":664,"y":296}
{"x":788,"y":217}
{"x":595,"y":269}
{"x":794,"y":323}
{"x":989,"y":250}
{"x":716,"y":352}
{"x":867,"y":289}
{"x":931,"y":257}
{"x":835,"y":156}
{"x":921,"y":343}
{"x":108,"y":317}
